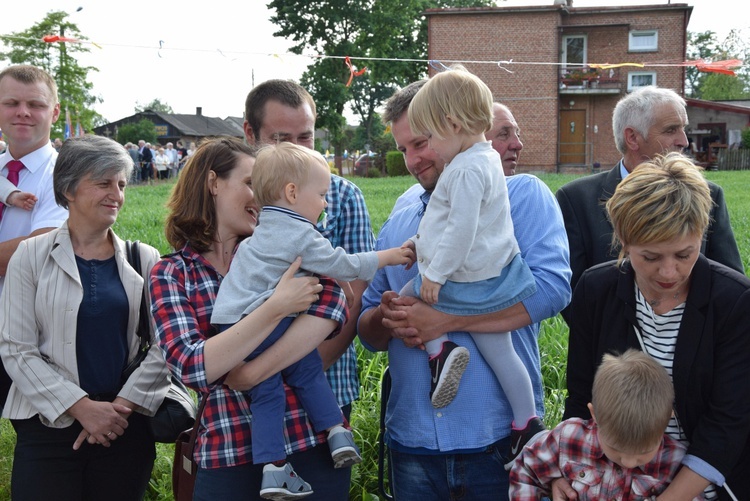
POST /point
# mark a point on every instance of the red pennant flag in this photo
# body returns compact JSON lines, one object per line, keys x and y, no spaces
{"x":58,"y":38}
{"x":723,"y":67}
{"x":352,"y":72}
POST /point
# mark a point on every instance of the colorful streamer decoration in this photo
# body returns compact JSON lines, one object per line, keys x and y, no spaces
{"x":723,"y":67}
{"x":58,"y":38}
{"x":352,"y":72}
{"x":607,"y":66}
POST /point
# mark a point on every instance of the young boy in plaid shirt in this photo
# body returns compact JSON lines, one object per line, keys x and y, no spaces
{"x":622,"y":452}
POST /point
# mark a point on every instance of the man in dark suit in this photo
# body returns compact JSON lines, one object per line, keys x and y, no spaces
{"x":648,"y":122}
{"x":147,"y":157}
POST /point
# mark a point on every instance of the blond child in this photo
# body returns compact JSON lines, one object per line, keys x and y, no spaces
{"x":621,"y":452}
{"x":469,"y":260}
{"x":290,"y":183}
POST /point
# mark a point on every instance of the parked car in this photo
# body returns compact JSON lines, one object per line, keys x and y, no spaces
{"x":363,"y":164}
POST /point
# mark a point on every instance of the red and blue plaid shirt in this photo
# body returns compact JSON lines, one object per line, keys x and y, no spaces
{"x":348,"y":226}
{"x":571,"y":450}
{"x":183,"y":289}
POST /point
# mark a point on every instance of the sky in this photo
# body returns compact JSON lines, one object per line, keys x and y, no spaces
{"x":209,"y":54}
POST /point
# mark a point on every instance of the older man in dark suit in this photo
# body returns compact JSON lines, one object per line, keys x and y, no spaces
{"x":648,"y":122}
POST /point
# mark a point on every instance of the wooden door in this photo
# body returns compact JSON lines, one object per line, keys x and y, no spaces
{"x":572,"y":137}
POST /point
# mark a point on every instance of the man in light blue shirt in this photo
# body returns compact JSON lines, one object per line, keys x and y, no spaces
{"x":458,"y":449}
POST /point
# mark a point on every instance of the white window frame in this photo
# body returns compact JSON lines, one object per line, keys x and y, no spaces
{"x":643,"y":35}
{"x":633,"y":74}
{"x":565,"y":49}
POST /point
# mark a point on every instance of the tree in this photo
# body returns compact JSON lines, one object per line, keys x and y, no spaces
{"x":134,"y":132}
{"x":361,"y":139}
{"x":718,"y":87}
{"x":714,"y":86}
{"x":155,"y":105}
{"x":58,"y":59}
{"x":746,"y":137}
{"x":394,"y":29}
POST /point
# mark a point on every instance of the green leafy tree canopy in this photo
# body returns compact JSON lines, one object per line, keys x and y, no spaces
{"x":134,"y":132}
{"x":59,"y":60}
{"x":393,"y":29}
{"x":155,"y":105}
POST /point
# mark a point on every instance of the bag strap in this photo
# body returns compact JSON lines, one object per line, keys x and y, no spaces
{"x":196,"y":425}
{"x":133,"y":252}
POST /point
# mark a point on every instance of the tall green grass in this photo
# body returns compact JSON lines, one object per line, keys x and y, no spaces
{"x":143,"y":216}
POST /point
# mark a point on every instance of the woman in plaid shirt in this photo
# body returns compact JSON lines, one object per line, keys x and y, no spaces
{"x":212,"y":209}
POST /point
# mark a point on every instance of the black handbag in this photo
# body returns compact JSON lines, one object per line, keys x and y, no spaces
{"x":177,"y":412}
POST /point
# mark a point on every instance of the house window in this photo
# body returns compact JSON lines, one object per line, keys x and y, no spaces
{"x":574,"y":50}
{"x":640,"y":79}
{"x":643,"y":41}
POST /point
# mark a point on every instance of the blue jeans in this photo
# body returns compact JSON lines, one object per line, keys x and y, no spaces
{"x":448,"y":477}
{"x":268,"y":399}
{"x":242,"y":483}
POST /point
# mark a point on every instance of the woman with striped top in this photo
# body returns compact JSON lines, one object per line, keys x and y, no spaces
{"x":690,"y":313}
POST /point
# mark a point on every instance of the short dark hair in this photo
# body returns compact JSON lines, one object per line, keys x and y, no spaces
{"x":286,"y":92}
{"x":398,"y":103}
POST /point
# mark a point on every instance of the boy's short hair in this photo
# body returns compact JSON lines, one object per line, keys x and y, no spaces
{"x":277,"y":165}
{"x":632,"y":399}
{"x":457,"y":94}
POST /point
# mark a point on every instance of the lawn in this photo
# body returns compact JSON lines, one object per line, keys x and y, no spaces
{"x":142,"y":219}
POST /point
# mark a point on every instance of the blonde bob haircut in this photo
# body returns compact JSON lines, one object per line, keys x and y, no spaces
{"x":456,"y":95}
{"x":277,"y":165}
{"x":662,"y":200}
{"x":632,"y":397}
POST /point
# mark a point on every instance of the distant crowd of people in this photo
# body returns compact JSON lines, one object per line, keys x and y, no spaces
{"x":157,"y":162}
{"x":275,"y":269}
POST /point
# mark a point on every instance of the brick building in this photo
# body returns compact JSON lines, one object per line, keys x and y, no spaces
{"x":564,"y":107}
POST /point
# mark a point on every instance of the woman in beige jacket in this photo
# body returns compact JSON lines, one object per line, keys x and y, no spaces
{"x":70,"y":310}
